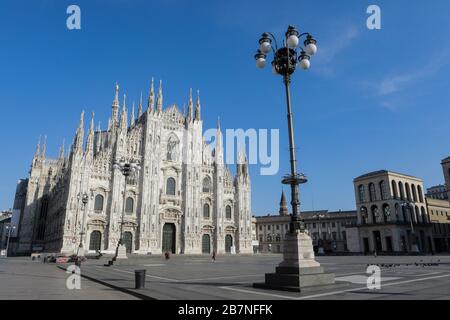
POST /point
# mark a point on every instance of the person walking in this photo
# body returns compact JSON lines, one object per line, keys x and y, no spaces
{"x":214,"y":256}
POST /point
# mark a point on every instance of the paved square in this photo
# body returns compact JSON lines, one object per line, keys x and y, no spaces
{"x":231,"y":277}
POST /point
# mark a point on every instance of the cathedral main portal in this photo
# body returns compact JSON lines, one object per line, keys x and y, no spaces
{"x":169,"y":236}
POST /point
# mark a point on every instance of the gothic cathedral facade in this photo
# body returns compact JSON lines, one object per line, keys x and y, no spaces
{"x":183,"y":199}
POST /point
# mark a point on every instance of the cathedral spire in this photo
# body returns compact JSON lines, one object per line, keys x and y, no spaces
{"x":219,"y":144}
{"x":115,"y":105}
{"x":198,"y":107}
{"x":283,"y":205}
{"x":44,"y":147}
{"x":124,"y":116}
{"x":61,"y":150}
{"x":99,"y":138}
{"x":151,"y":98}
{"x":140,"y":107}
{"x":38,"y":148}
{"x":91,"y":128}
{"x":159,"y":100}
{"x":79,"y":137}
{"x":90,"y":137}
{"x":190,"y":106}
{"x":132,"y":119}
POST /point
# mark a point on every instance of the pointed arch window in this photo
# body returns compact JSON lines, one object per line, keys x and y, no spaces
{"x":206,"y":211}
{"x":228,"y":212}
{"x":170,"y":186}
{"x":98,"y":204}
{"x":129,"y":205}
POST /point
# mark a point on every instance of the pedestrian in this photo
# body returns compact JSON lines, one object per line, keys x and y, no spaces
{"x":167,"y":255}
{"x":375,"y":253}
{"x":214,"y":256}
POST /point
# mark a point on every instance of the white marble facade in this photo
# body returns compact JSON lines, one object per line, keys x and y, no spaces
{"x":183,"y":200}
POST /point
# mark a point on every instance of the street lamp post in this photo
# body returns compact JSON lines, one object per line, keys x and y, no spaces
{"x":298,"y":252}
{"x":9,"y":228}
{"x":413,"y":239}
{"x":127,"y":169}
{"x":84,"y":200}
{"x":285,"y":62}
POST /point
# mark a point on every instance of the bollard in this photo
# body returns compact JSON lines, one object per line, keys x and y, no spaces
{"x":139,"y":276}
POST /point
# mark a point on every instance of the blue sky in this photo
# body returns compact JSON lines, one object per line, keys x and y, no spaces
{"x":372,"y":99}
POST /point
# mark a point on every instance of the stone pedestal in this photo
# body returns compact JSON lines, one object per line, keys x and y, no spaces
{"x":299,"y":268}
{"x":122,"y":252}
{"x":80,"y":252}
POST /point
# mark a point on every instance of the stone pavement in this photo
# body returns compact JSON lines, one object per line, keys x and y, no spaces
{"x":227,"y":278}
{"x":231,"y":277}
{"x":21,"y":278}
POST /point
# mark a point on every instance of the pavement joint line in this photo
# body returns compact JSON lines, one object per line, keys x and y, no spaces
{"x":200,"y":279}
{"x":150,"y":276}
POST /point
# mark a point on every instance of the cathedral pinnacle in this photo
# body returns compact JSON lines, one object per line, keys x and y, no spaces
{"x":197,"y":107}
{"x":190,"y":106}
{"x":132,"y":119}
{"x":151,"y":98}
{"x":38,"y":148}
{"x":115,"y":105}
{"x":140,"y":107}
{"x":159,"y":100}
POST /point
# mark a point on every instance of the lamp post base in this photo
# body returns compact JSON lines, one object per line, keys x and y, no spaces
{"x":80,"y":252}
{"x":122,"y":252}
{"x":299,"y":268}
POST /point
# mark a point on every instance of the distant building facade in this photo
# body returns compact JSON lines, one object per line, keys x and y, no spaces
{"x":329,"y":228}
{"x":437,"y":192}
{"x":439,"y":212}
{"x":445,"y":163}
{"x":390,"y":207}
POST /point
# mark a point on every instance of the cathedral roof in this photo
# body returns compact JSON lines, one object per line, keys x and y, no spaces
{"x":173,"y":114}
